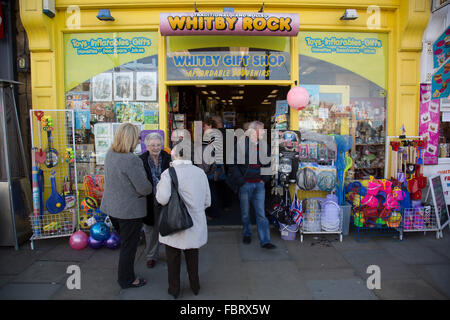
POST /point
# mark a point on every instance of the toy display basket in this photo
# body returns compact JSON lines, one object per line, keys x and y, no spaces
{"x":420,"y":219}
{"x":376,"y":221}
{"x":312,"y":223}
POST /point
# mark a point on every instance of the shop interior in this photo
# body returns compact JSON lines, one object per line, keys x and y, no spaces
{"x":237,"y":105}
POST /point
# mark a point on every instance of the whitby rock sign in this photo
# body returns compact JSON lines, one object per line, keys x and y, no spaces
{"x":229,"y":23}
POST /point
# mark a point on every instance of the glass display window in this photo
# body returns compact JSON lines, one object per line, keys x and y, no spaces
{"x":345,"y":75}
{"x":110,"y":78}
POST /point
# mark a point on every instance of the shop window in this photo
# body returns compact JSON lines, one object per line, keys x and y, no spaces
{"x":110,"y":78}
{"x":345,"y":75}
{"x":228,"y":58}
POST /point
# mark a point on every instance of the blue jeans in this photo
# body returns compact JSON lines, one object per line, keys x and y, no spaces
{"x":254,"y":193}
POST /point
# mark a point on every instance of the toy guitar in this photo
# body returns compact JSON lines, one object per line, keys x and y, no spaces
{"x":51,"y":159}
{"x":40,"y":155}
{"x":55,"y":203}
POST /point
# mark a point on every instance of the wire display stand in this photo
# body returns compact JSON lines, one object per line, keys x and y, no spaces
{"x":421,"y":219}
{"x":376,"y":221}
{"x":52,"y":155}
{"x":312,"y":222}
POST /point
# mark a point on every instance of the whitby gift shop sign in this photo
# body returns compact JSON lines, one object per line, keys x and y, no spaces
{"x":229,"y":23}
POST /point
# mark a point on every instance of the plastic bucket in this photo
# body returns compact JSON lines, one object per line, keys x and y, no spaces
{"x":288,"y":232}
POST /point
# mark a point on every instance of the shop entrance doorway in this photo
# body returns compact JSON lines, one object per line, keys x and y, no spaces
{"x":237,"y":106}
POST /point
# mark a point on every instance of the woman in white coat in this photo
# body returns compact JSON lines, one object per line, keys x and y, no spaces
{"x":193,"y":189}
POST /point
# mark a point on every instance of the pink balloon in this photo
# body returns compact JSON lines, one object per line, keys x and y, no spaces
{"x":78,"y":240}
{"x":298,"y":98}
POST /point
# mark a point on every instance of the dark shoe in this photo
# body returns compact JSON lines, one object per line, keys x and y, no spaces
{"x":151,"y":263}
{"x":269,"y":246}
{"x":142,"y":282}
{"x":247,"y":240}
{"x":195,"y":290}
{"x":174,"y":295}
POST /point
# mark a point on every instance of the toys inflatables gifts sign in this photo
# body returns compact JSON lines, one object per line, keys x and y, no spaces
{"x":429,"y":124}
{"x":298,"y":98}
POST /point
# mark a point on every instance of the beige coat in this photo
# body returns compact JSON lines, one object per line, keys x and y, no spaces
{"x":193,"y":188}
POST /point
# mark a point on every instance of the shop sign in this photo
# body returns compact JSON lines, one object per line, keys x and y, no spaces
{"x":229,"y":23}
{"x":362,"y":53}
{"x":429,"y":124}
{"x":89,"y":54}
{"x":444,"y":171}
{"x":228,"y":66}
{"x":114,"y":45}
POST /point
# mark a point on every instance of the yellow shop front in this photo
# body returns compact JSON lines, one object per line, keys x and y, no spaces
{"x":362,"y":75}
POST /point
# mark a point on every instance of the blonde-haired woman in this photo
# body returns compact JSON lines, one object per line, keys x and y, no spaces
{"x":124,"y":198}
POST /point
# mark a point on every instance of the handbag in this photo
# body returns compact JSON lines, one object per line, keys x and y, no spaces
{"x":174,"y":216}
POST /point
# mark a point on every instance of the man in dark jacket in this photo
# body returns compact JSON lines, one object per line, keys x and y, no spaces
{"x":248,"y":179}
{"x":155,"y":162}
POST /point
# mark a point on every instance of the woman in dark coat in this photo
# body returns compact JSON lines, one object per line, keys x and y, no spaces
{"x":155,"y":161}
{"x":124,"y":199}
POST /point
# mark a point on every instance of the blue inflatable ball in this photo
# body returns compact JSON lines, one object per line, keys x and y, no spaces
{"x":95,"y":244}
{"x":113,"y":241}
{"x":100,"y":231}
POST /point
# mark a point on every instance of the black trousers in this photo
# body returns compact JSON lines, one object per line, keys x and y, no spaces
{"x":173,"y":256}
{"x":225,"y":194}
{"x":129,"y":231}
{"x":214,"y":209}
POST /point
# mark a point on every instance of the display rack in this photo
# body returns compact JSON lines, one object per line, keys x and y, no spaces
{"x":312,"y":224}
{"x":61,"y":142}
{"x":375,"y":221}
{"x":421,"y":219}
{"x":387,"y":145}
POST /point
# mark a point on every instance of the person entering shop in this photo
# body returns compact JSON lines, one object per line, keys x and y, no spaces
{"x":249,"y":179}
{"x":232,"y":107}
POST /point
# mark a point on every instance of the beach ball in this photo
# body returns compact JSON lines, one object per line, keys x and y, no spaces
{"x":78,"y":240}
{"x":113,"y":241}
{"x":100,"y":231}
{"x":298,"y":98}
{"x":94,"y":244}
{"x":83,"y":220}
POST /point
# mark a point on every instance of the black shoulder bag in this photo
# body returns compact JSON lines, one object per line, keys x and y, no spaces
{"x":174,"y":216}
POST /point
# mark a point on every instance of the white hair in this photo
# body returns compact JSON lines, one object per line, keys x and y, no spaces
{"x":153,"y":136}
{"x":255,"y":124}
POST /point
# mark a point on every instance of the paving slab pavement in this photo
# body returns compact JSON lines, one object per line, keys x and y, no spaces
{"x":320,"y":267}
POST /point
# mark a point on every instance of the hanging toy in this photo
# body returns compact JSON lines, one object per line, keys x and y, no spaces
{"x":88,"y":205}
{"x":69,"y":156}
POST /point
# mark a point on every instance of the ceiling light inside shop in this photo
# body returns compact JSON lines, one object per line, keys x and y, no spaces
{"x":213,"y":92}
{"x":205,"y":92}
{"x":272,"y":96}
{"x":241,"y":91}
{"x":274,"y":91}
